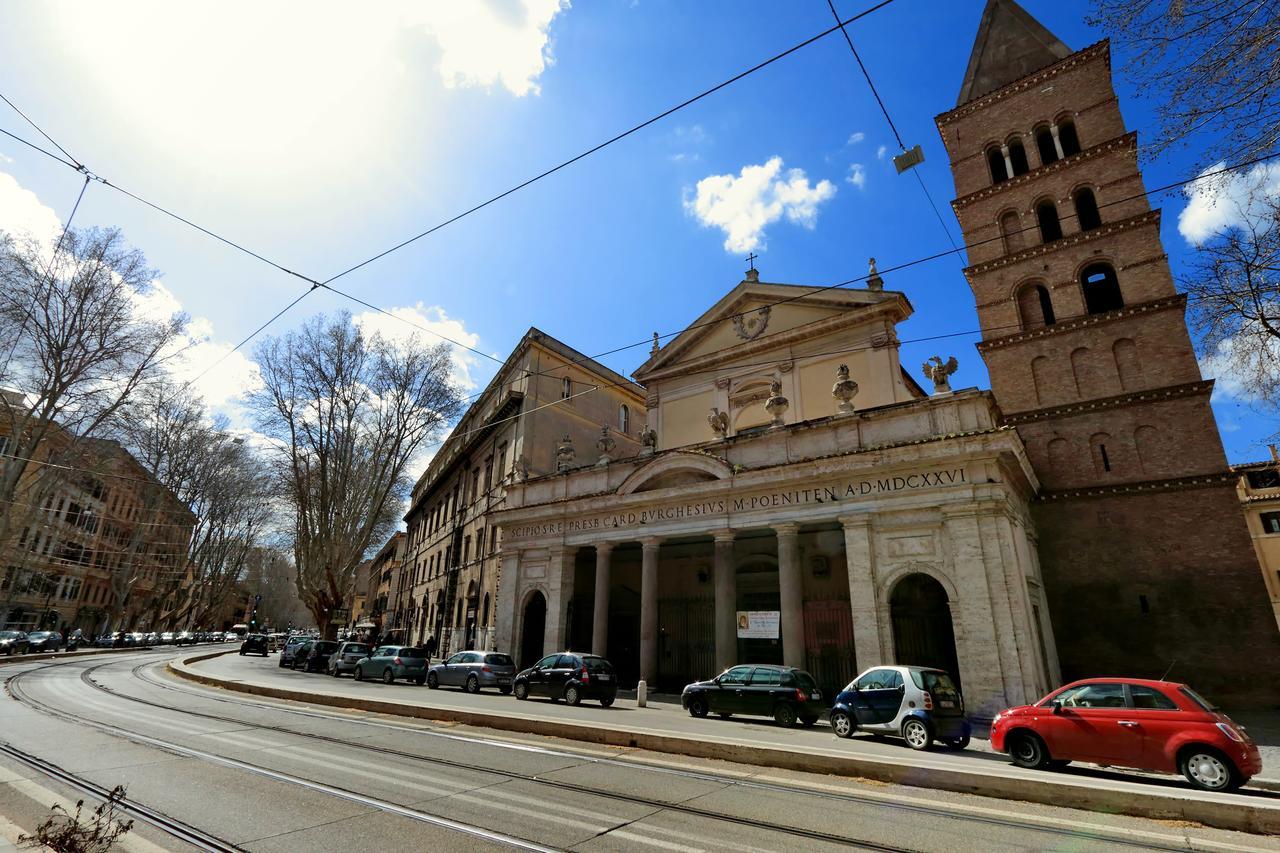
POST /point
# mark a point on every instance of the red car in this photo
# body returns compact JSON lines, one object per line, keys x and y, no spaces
{"x":1130,"y":722}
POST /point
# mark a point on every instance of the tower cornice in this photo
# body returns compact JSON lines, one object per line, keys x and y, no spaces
{"x":1069,"y":241}
{"x":1080,"y":57}
{"x":1178,"y":301}
{"x":1087,"y":407}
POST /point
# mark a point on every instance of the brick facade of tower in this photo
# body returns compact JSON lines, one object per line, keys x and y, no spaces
{"x":1146,"y":556}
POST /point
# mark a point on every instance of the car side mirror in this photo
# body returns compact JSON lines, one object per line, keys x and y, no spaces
{"x":1056,"y":706}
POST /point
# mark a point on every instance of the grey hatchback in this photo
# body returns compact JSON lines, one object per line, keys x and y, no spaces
{"x":474,"y":669}
{"x":392,"y":662}
{"x":346,"y":658}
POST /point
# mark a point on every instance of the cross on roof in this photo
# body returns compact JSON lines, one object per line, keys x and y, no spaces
{"x":751,"y":260}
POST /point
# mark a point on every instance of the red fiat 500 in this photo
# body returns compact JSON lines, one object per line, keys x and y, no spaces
{"x":1130,"y":722}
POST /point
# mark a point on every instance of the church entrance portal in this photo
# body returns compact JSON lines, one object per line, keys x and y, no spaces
{"x":534,"y":630}
{"x":922,"y":630}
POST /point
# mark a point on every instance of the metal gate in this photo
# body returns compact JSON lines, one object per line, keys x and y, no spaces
{"x":686,"y":641}
{"x":828,"y":645}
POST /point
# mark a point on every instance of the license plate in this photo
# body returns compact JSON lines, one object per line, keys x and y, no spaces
{"x":504,"y":680}
{"x":946,"y":704}
{"x":815,"y":695}
{"x":605,"y":677}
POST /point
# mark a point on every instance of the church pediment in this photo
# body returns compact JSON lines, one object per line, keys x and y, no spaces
{"x":675,"y":469}
{"x":756,"y":313}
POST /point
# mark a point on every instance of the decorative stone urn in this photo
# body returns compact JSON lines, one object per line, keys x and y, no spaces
{"x":605,"y":444}
{"x":777,"y":404}
{"x":844,"y":391}
{"x":565,"y":454}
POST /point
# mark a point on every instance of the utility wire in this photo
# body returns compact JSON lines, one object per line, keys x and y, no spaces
{"x":40,"y":131}
{"x":902,"y":146}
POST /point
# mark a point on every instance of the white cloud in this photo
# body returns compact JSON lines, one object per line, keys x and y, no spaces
{"x":881,"y":151}
{"x":1241,"y":369}
{"x":22,"y":213}
{"x":857,"y":137}
{"x":427,"y":320}
{"x":857,"y":175}
{"x":743,"y":205}
{"x":1227,"y":200}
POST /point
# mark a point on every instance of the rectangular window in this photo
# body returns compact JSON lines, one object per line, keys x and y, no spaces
{"x":1270,"y":522}
{"x":480,"y":543}
{"x":466,"y":549}
{"x":488,"y":473}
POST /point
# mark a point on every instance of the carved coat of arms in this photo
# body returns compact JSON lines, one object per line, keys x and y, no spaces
{"x":751,"y":324}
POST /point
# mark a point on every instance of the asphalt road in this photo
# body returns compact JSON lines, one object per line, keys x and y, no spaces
{"x":228,"y":771}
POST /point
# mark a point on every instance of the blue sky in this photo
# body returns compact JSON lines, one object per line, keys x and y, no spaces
{"x":319,"y":141}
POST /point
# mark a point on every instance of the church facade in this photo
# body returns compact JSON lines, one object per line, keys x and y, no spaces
{"x":798,"y":498}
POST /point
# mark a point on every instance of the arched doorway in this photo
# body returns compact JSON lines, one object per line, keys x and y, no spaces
{"x":922,"y":631}
{"x":533,"y":630}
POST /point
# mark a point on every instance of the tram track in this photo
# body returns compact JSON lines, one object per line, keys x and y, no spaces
{"x":1073,"y":832}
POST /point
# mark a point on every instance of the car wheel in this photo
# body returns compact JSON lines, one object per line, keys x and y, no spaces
{"x":606,"y":702}
{"x":842,"y":724}
{"x":571,"y":695}
{"x":957,"y":743}
{"x":242,"y":653}
{"x":388,"y":676}
{"x":473,"y":684}
{"x":358,"y":675}
{"x":522,"y":690}
{"x":917,"y":735}
{"x":505,"y":690}
{"x":1209,"y":770}
{"x":697,"y":706}
{"x":433,"y":681}
{"x":784,"y":715}
{"x":1028,"y":750}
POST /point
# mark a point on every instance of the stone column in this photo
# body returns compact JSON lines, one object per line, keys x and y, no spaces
{"x":1057,"y":143}
{"x":600,"y":613}
{"x":1008,"y":161}
{"x":864,"y":599}
{"x":726,"y":602}
{"x":791,"y":593}
{"x":504,"y":616}
{"x":649,"y":609}
{"x":560,"y":587}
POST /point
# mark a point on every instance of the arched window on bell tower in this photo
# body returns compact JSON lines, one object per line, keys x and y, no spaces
{"x":1044,"y":145}
{"x":1035,"y":307}
{"x":1101,"y":288}
{"x":1018,"y":157}
{"x":1047,"y":218}
{"x":1067,"y":136}
{"x":995,"y":160}
{"x":1087,"y":215}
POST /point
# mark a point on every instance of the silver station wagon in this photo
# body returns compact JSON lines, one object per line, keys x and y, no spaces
{"x":473,"y":670}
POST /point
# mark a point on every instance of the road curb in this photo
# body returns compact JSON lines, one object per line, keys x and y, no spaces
{"x":1261,"y":817}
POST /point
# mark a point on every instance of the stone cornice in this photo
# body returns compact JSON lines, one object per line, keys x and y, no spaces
{"x":1128,"y":140}
{"x":1178,"y":300}
{"x":1204,"y":481}
{"x":1151,"y":217}
{"x":1172,"y":392}
{"x":1035,"y":78}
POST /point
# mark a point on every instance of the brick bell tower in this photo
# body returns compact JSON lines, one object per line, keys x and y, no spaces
{"x":1146,"y":558}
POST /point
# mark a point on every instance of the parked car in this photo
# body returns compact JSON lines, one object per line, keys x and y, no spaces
{"x":254,"y":644}
{"x":392,"y":662}
{"x":785,"y":693}
{"x":139,"y":638}
{"x":76,"y":639}
{"x":473,"y":670}
{"x":917,"y":703}
{"x":184,"y":638}
{"x":13,"y":642}
{"x":346,"y":658}
{"x":569,"y":676}
{"x":290,"y":648}
{"x":314,"y":656}
{"x":1160,"y":726}
{"x":44,"y":641}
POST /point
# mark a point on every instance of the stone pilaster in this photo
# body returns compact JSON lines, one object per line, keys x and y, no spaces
{"x":560,"y":589}
{"x":649,"y":609}
{"x":600,"y":611}
{"x":505,"y":608}
{"x":791,"y":594}
{"x":864,"y":601}
{"x":726,"y":583}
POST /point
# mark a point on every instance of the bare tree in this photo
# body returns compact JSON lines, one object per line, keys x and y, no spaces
{"x":73,"y":349}
{"x":349,"y":410}
{"x":1207,"y":66}
{"x":1234,"y":289}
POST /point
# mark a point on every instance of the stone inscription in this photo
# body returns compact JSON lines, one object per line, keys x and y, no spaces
{"x":747,"y":503}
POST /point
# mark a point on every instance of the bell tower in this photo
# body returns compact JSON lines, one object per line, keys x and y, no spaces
{"x":1144,"y":550}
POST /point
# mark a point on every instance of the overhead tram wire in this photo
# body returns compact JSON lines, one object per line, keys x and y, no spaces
{"x":616,"y":138}
{"x":77,"y":164}
{"x":902,"y":146}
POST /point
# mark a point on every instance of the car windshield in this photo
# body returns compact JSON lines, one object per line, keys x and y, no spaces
{"x":357,"y":649}
{"x":503,"y":660}
{"x":8,"y":635}
{"x":595,"y":664}
{"x":39,"y":635}
{"x":412,"y":653}
{"x":1198,"y":699}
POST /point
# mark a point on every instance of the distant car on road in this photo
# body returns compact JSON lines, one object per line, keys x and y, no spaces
{"x":44,"y":641}
{"x":917,"y":703}
{"x":13,"y":642}
{"x":254,"y":644}
{"x":76,"y":639}
{"x":784,"y":693}
{"x":569,"y":676}
{"x":472,"y":670}
{"x":291,"y":647}
{"x":184,"y":638}
{"x":392,"y":662}
{"x":1160,"y":726}
{"x":314,"y":656}
{"x":346,"y":658}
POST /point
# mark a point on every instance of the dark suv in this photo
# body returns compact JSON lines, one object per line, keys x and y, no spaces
{"x":314,"y":656}
{"x":783,"y":692}
{"x":255,"y":644}
{"x":569,"y":676}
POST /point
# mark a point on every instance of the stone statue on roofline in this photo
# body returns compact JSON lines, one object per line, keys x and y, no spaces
{"x":565,"y":454}
{"x":648,"y":441}
{"x":940,"y":374}
{"x":605,"y":444}
{"x":719,"y":422}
